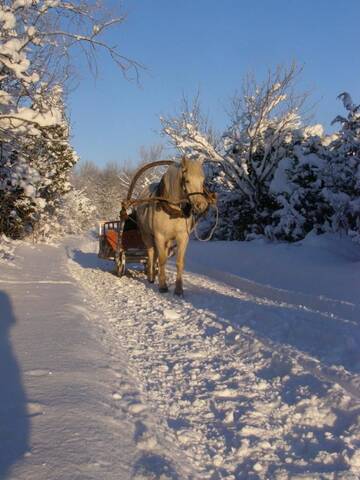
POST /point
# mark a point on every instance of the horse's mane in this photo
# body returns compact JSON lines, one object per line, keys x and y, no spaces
{"x":170,"y":184}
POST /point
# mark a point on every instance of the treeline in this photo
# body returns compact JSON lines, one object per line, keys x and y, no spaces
{"x":276,"y":175}
{"x":107,"y":185}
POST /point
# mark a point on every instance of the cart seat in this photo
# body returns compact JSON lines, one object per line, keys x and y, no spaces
{"x":131,"y":239}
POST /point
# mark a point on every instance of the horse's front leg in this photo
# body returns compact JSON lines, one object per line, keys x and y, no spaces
{"x":182,"y":243}
{"x":162,"y":257}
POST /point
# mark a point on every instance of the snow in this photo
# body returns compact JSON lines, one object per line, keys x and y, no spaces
{"x":5,"y":98}
{"x":312,"y":160}
{"x":254,"y":374}
{"x":171,"y":314}
{"x":280,"y":182}
{"x":46,"y":119}
{"x":56,"y":378}
{"x":8,"y":19}
{"x":7,"y":248}
{"x":21,"y":4}
{"x":314,"y":130}
{"x":325,"y":266}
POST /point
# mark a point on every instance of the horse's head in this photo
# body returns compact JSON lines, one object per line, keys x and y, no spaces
{"x":193,"y":184}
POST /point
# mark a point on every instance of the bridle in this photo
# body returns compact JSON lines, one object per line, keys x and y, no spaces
{"x":209,"y":197}
{"x":187,"y":209}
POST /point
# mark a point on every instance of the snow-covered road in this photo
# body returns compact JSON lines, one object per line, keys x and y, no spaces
{"x":246,"y":379}
{"x":58,"y":417}
{"x":253,"y":375}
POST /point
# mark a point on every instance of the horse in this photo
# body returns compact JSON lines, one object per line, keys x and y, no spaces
{"x":164,"y":223}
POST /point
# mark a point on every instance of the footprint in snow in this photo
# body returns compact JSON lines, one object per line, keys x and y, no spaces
{"x":144,"y":440}
{"x":152,"y":466}
{"x":34,"y":409}
{"x":146,"y":443}
{"x":171,"y":314}
{"x":136,"y":408}
{"x":38,"y":373}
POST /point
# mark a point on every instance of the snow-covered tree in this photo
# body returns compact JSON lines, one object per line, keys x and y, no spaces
{"x":37,"y":38}
{"x":276,"y":176}
{"x":85,"y":178}
{"x":110,"y":191}
{"x":75,"y":214}
{"x":35,"y":175}
{"x":298,"y":186}
{"x":19,"y":199}
{"x":262,"y":122}
{"x":343,"y":171}
{"x":103,"y":186}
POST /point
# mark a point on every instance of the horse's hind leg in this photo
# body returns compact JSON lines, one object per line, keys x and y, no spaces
{"x":150,"y":270}
{"x":151,"y":257}
{"x":162,"y":255}
{"x":182,"y":243}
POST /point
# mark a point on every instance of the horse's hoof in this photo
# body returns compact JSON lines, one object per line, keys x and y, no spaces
{"x":163,"y":289}
{"x":179,"y":293}
{"x":151,"y":280}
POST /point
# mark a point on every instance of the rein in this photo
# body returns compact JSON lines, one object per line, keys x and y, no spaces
{"x":212,"y":231}
{"x":125,"y":204}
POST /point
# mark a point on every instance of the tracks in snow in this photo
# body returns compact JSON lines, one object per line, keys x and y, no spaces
{"x":225,"y":380}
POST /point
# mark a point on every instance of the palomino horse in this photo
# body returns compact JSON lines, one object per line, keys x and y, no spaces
{"x":163,"y":223}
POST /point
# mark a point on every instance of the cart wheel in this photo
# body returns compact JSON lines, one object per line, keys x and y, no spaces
{"x":120,"y":264}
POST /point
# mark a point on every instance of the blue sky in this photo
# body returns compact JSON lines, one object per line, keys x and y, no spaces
{"x":210,"y":45}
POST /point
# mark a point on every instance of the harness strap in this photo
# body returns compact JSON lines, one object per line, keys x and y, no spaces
{"x":209,"y":196}
{"x":174,"y":211}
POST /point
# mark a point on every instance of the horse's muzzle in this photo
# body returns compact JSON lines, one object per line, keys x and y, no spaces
{"x":199,"y":204}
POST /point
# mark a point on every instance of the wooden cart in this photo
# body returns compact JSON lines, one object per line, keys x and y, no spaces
{"x":120,"y":240}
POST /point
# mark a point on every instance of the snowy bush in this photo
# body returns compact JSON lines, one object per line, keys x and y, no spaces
{"x":343,"y":172}
{"x":298,"y":186}
{"x":320,"y":183}
{"x":75,"y":214}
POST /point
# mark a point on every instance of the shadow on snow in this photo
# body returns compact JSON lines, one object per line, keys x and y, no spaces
{"x":331,"y":339}
{"x":91,"y":260}
{"x":14,"y":419}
